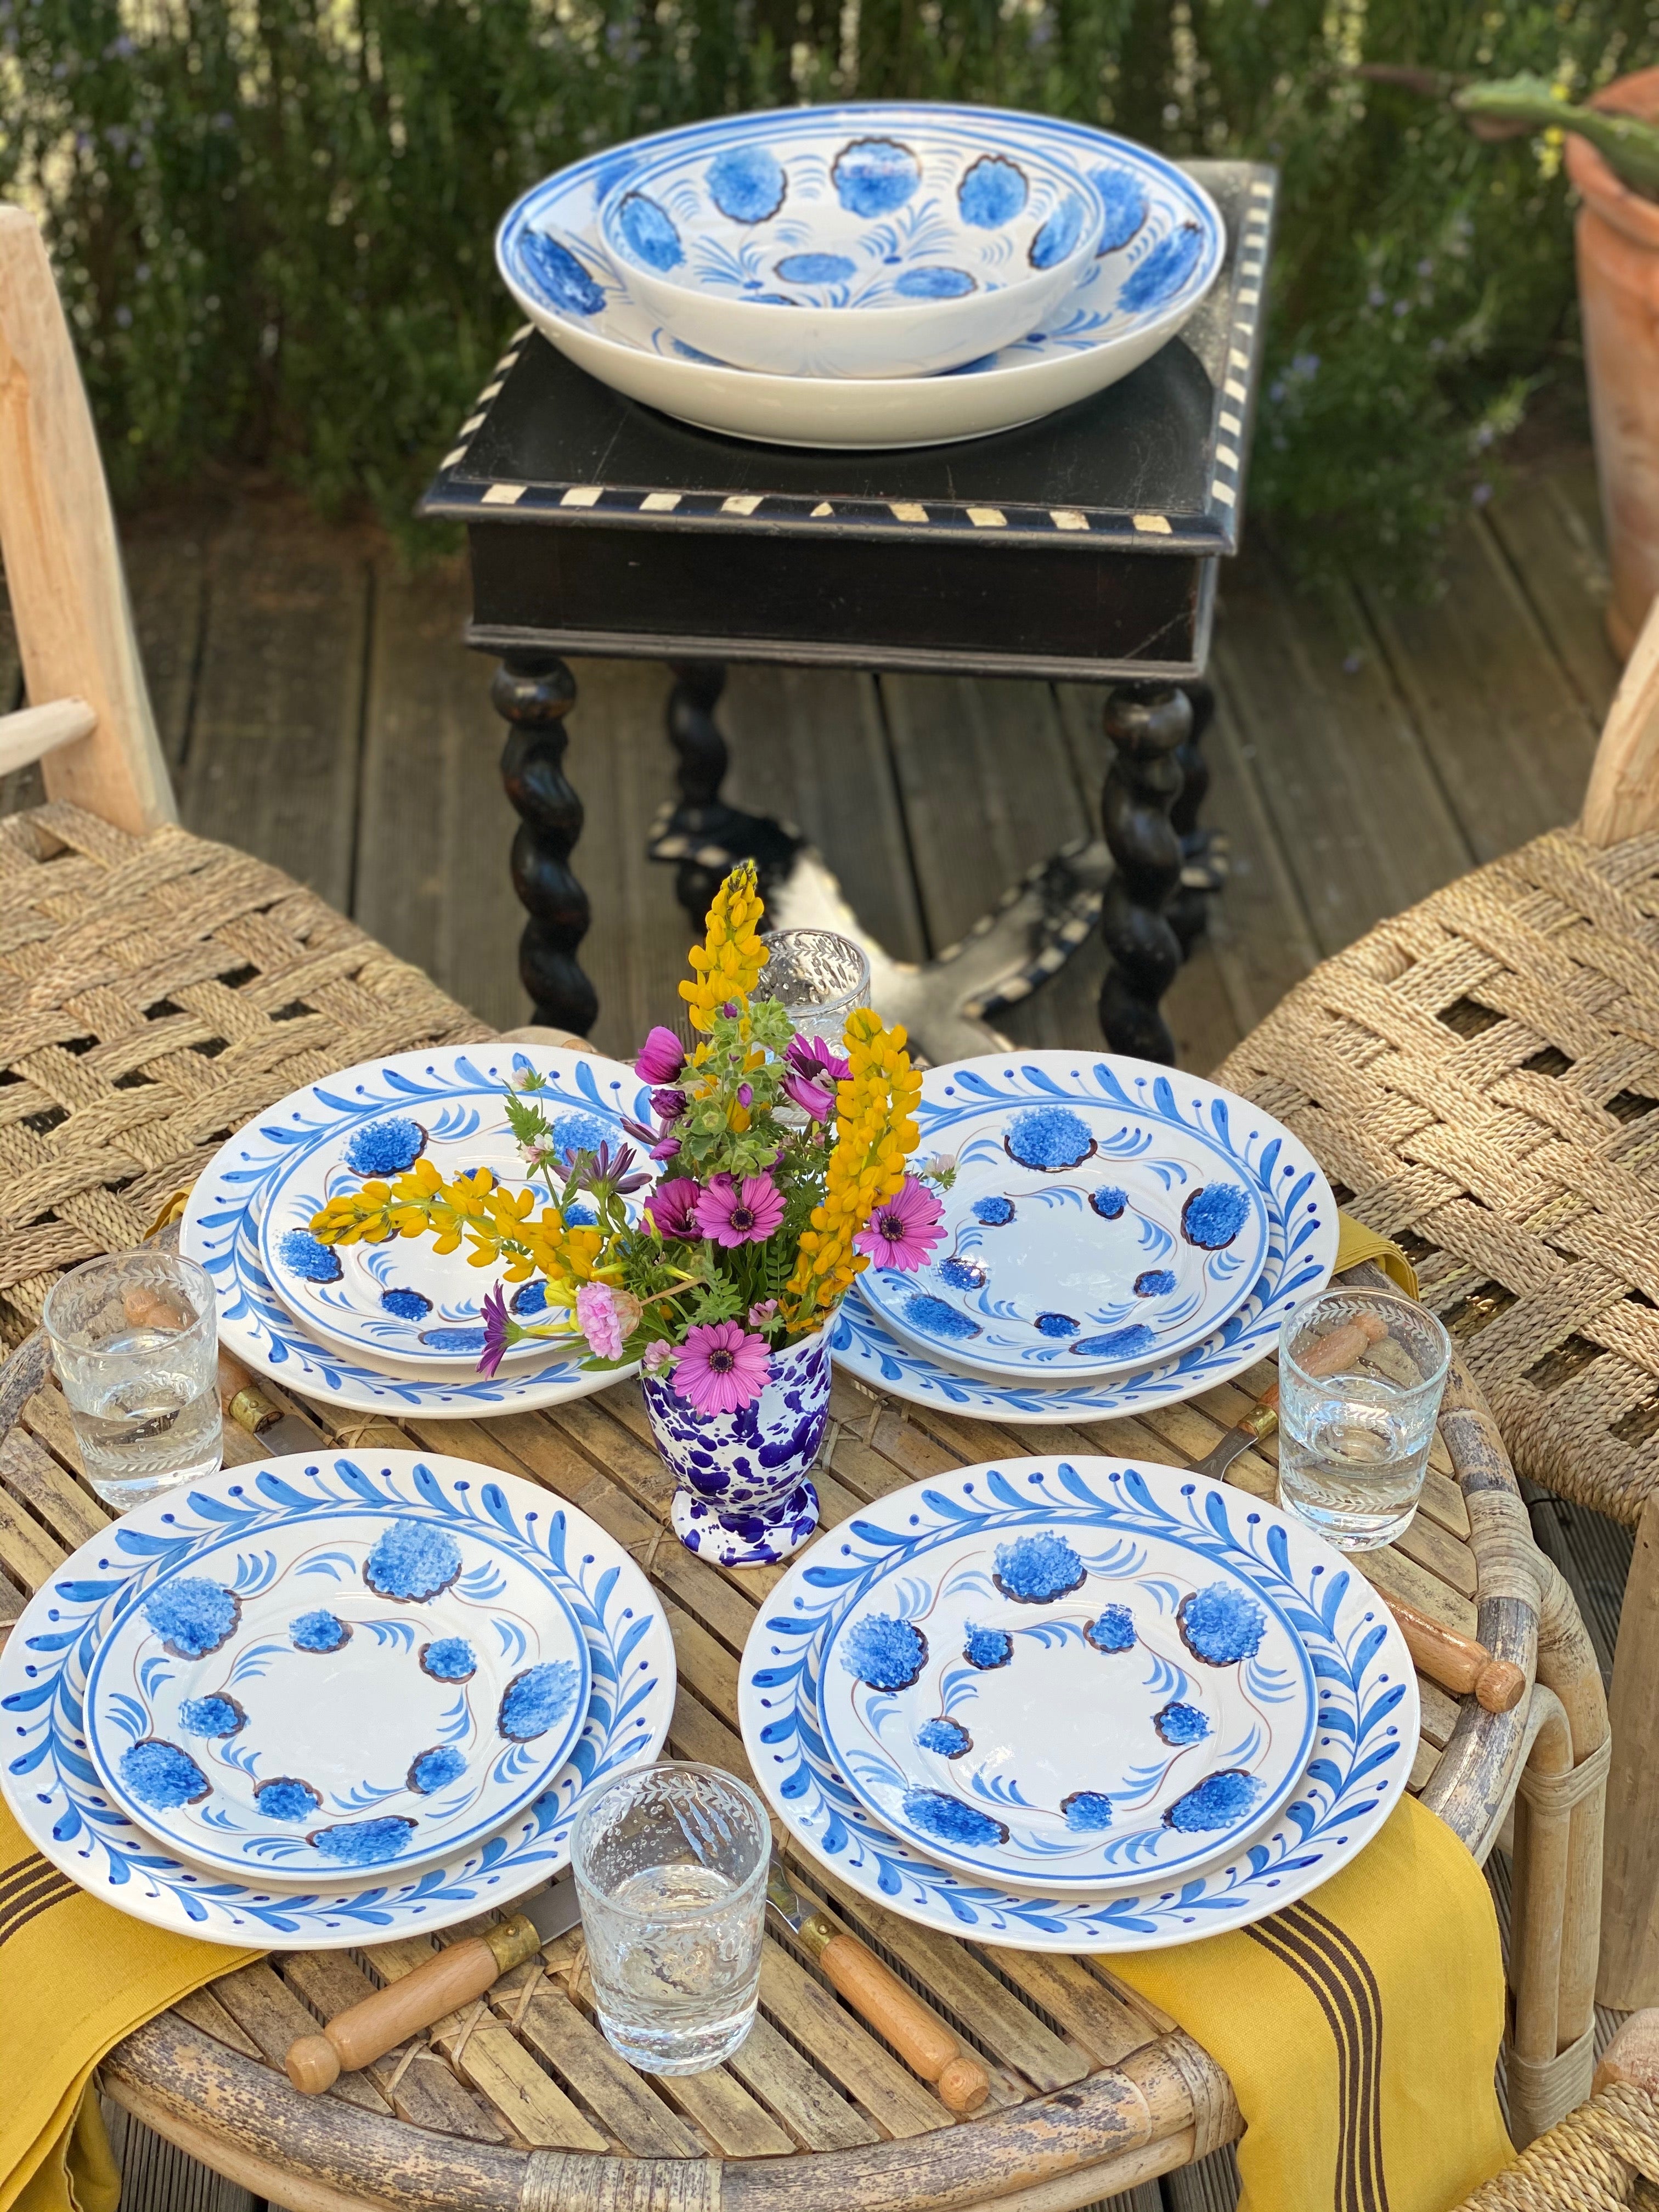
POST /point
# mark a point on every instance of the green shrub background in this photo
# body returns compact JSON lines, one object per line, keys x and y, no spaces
{"x":272,"y":219}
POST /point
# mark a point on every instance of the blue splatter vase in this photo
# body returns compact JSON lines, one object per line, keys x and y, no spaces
{"x":743,"y":1498}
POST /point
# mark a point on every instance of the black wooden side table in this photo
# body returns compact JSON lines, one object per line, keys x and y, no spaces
{"x":1082,"y":546}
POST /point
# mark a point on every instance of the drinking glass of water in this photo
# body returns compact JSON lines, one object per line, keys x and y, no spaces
{"x":820,"y":978}
{"x":1360,"y":1378}
{"x":671,"y":1865}
{"x":136,"y":1349}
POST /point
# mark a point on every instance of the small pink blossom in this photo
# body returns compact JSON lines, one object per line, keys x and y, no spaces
{"x":904,"y":1230}
{"x":760,"y":1315}
{"x":745,"y":1213}
{"x":661,"y":1057}
{"x":721,"y":1368}
{"x":658,"y":1357}
{"x":672,"y":1206}
{"x":606,"y":1317}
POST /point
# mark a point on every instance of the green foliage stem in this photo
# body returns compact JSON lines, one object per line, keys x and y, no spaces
{"x":1629,"y":146}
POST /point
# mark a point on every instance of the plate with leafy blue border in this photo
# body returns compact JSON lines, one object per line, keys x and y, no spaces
{"x":1354,"y":1771}
{"x":1260,"y":1157}
{"x":59,"y":1799}
{"x":1083,"y":1234}
{"x":388,"y":1371}
{"x":1054,"y":1707}
{"x":355,"y":1693}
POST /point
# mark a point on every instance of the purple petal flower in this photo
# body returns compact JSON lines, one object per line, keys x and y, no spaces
{"x":904,"y":1230}
{"x":808,"y":1097}
{"x":721,"y":1368}
{"x":639,"y":1132}
{"x":745,"y":1213}
{"x":661,"y":1057}
{"x":667,"y":1150}
{"x":672,"y":1207}
{"x":745,"y":1096}
{"x":668,"y":1105}
{"x":817,"y":1058}
{"x":500,"y":1331}
{"x":614,"y":1168}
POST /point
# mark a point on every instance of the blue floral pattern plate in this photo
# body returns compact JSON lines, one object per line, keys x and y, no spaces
{"x":1160,"y":248}
{"x":1066,"y":1709}
{"x":354,"y":1694}
{"x":1262,"y":1157}
{"x":224,"y":1219}
{"x":1354,"y":1774}
{"x":59,"y":1799}
{"x":1083,"y":1234}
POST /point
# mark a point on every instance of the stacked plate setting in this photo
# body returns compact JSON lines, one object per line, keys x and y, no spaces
{"x":867,"y":276}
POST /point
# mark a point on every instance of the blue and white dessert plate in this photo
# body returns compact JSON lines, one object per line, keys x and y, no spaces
{"x":1160,"y":248}
{"x":1257,"y":1155}
{"x":1352,"y":1775}
{"x":1068,"y":1708}
{"x":1083,"y":1233}
{"x":60,"y":1800}
{"x":801,"y":244}
{"x":224,"y":1220}
{"x":353,"y":1693}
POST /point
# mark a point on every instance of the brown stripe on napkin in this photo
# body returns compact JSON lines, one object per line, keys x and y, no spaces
{"x":32,"y":1886}
{"x":1318,"y":1952}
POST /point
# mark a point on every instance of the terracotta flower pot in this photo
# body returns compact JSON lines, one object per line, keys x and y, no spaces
{"x":1617,"y":241}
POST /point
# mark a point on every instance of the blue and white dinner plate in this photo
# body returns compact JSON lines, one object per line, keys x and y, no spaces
{"x":1084,"y":1232}
{"x":1060,"y":1706}
{"x":60,"y":1800}
{"x":1352,"y":1775}
{"x":1158,"y":254}
{"x":387,"y":1369}
{"x":353,"y":1693}
{"x":1265,"y":1158}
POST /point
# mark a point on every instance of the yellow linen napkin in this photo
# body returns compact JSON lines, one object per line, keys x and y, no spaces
{"x":1359,"y":2029}
{"x":76,"y":1976}
{"x":1355,"y":1242}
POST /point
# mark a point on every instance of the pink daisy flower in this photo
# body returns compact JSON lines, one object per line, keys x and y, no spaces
{"x":904,"y":1231}
{"x":721,"y":1368}
{"x":672,"y":1206}
{"x":606,"y":1317}
{"x":660,"y":1058}
{"x":745,"y":1213}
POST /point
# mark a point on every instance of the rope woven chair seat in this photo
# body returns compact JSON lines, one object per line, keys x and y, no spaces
{"x":1589,"y":2163}
{"x":1479,"y":1079}
{"x":155,"y":992}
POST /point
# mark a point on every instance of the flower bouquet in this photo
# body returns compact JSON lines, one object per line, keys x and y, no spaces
{"x":782,"y":1170}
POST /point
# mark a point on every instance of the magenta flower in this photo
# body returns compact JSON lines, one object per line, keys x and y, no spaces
{"x":672,"y":1206}
{"x":760,"y":1315}
{"x":817,"y":1059}
{"x":807,"y":1095}
{"x":667,"y":1150}
{"x":743,"y":1213}
{"x":607,"y":1318}
{"x":903,"y":1230}
{"x":745,"y":1096}
{"x":668,"y":1105}
{"x":721,"y":1368}
{"x":661,"y":1057}
{"x":500,"y":1331}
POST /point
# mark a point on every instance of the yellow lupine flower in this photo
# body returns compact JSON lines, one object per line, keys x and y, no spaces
{"x":728,"y":963}
{"x":875,"y":1135}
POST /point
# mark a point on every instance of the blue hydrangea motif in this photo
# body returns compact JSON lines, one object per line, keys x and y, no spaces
{"x":934,"y":283}
{"x":886,"y":1653}
{"x":1181,"y":1724}
{"x":1221,"y":1624}
{"x":561,"y":275}
{"x":1114,"y":1630}
{"x":285,"y":1797}
{"x":951,"y":1820}
{"x":747,"y":183}
{"x":163,"y":1777}
{"x":532,"y":1297}
{"x":408,"y":1305}
{"x":365,"y":1842}
{"x":986,"y":1648}
{"x":462,"y":1340}
{"x":1057,"y":1324}
{"x":449,"y":1659}
{"x":962,"y":1275}
{"x":1213,"y":1216}
{"x":992,"y":191}
{"x":1126,"y":1343}
{"x":1220,"y":1801}
{"x":1049,"y":1139}
{"x":536,"y":1700}
{"x":1154,"y":1283}
{"x":1164,"y":271}
{"x":1086,"y":1811}
{"x":948,"y":1738}
{"x":874,"y":176}
{"x":213,"y":1716}
{"x":935,"y":1318}
{"x":1124,"y":198}
{"x":577,"y":1133}
{"x":386,"y":1148}
{"x":1109,"y":1202}
{"x":1058,"y":236}
{"x":993,"y":1213}
{"x":650,"y":233}
{"x":303,"y":1255}
{"x":436,"y":1769}
{"x":412,"y":1562}
{"x":321,"y":1631}
{"x":816,"y":269}
{"x":1036,"y":1570}
{"x":192,"y":1618}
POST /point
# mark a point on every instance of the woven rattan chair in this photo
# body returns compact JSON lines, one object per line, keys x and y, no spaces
{"x":1604,"y":2155}
{"x":1479,"y":1077}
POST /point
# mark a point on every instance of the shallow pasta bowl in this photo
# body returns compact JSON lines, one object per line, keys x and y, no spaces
{"x":864,"y":242}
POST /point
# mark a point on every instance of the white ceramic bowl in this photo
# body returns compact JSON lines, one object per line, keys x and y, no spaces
{"x":882,"y":243}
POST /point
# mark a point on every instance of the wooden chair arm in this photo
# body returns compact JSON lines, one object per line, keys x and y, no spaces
{"x":1623,"y":798}
{"x":32,"y":731}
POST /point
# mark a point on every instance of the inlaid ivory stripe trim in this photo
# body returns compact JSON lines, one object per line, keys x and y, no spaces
{"x":583,"y":495}
{"x":908,"y":510}
{"x":741,"y":503}
{"x":1224,"y":492}
{"x":988,"y":517}
{"x":660,"y":502}
{"x":503,"y":495}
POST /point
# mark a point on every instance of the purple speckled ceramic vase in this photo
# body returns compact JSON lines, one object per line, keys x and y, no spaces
{"x":744,"y":1499}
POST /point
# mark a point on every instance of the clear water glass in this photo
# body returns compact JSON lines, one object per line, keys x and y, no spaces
{"x":671,"y":1865}
{"x":134,"y":1342}
{"x":1361,"y":1374}
{"x":820,"y":978}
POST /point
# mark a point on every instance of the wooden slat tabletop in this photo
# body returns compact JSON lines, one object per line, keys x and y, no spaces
{"x":528,"y":2066}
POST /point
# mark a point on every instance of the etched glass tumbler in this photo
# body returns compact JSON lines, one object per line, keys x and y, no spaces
{"x":671,"y":1864}
{"x":820,"y":976}
{"x":134,"y":1344}
{"x":1360,"y":1378}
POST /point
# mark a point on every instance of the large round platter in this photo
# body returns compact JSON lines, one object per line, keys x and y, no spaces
{"x":1158,"y":255}
{"x":1068,"y":1708}
{"x":225,"y":1214}
{"x":1082,"y":1234}
{"x":60,"y":1801}
{"x":1301,"y":1242}
{"x":1354,"y":1774}
{"x":355,"y":1694}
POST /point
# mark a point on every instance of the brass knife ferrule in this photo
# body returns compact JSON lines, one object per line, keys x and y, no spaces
{"x":817,"y":1934}
{"x":513,"y":1942}
{"x":251,"y":1410}
{"x":1260,"y":1423}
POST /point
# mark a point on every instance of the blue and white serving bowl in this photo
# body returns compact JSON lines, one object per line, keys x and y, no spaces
{"x":802,"y":244}
{"x":1160,"y":249}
